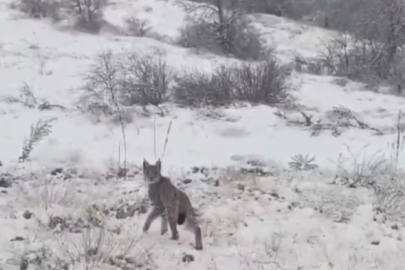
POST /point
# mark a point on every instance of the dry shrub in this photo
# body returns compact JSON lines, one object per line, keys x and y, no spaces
{"x":88,"y":14}
{"x":40,"y":8}
{"x":195,"y":88}
{"x":253,"y":82}
{"x":234,"y":37}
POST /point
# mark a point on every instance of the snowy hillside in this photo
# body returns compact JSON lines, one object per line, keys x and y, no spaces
{"x":65,"y":207}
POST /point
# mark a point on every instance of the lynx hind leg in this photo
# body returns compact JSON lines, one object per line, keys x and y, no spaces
{"x":181,"y":218}
{"x":164,"y":225}
{"x":191,"y":225}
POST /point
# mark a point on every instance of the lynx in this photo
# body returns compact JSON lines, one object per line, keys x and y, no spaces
{"x":170,"y":203}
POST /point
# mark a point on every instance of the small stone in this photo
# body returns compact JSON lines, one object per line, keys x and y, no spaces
{"x":187,"y":258}
{"x":27,"y":214}
{"x":241,"y":187}
{"x":130,"y":260}
{"x":17,"y":238}
{"x":375,"y":243}
{"x":57,"y":171}
{"x":275,"y":195}
{"x":1,"y":164}
{"x":122,"y":172}
{"x":187,"y":181}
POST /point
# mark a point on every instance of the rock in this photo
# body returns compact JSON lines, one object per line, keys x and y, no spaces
{"x":122,"y":172}
{"x":195,"y":170}
{"x":55,"y":221}
{"x":24,"y":264}
{"x":241,"y":187}
{"x":4,"y":183}
{"x":1,"y":164}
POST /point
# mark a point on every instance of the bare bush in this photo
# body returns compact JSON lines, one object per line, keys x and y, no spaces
{"x":40,"y":8}
{"x":303,"y":163}
{"x":101,"y":247}
{"x":142,"y":80}
{"x":88,"y":13}
{"x":256,"y":83}
{"x":390,"y":192}
{"x":337,"y":120}
{"x":222,"y":29}
{"x":295,"y":9}
{"x":374,"y":51}
{"x":199,"y":35}
{"x":362,"y":169}
{"x":137,"y":27}
{"x":389,"y":199}
{"x":29,"y":100}
{"x":102,"y":85}
{"x":26,"y":98}
{"x":273,"y":7}
{"x":38,"y":132}
{"x":146,"y":80}
{"x":355,"y":58}
{"x":259,"y":83}
{"x":364,"y":60}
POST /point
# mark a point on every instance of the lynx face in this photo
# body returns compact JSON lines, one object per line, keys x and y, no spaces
{"x":151,"y":173}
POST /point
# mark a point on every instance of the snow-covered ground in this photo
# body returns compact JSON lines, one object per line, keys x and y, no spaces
{"x":256,"y":212}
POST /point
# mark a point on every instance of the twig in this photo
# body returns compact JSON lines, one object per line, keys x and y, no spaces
{"x":167,"y":139}
{"x":109,"y":81}
{"x":398,"y":142}
{"x":154,"y":136}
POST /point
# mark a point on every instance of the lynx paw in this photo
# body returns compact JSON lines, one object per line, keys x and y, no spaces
{"x":163,"y":231}
{"x":199,"y":247}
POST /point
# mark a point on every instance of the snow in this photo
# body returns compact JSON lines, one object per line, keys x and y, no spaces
{"x":285,"y":219}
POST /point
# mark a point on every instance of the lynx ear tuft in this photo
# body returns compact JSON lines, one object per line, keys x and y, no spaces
{"x":145,"y":163}
{"x":159,"y":164}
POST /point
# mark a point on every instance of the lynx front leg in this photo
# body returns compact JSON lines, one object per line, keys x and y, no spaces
{"x":171,"y":212}
{"x":163,"y":227}
{"x":157,"y":211}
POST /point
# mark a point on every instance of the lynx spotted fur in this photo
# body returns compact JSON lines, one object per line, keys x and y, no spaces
{"x":170,"y":203}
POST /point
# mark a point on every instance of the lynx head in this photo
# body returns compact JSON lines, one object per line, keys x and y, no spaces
{"x":151,"y":173}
